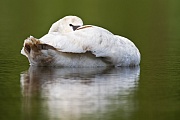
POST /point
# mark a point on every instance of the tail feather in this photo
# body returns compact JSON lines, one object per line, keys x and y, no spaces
{"x":37,"y":52}
{"x":35,"y":45}
{"x":27,"y":48}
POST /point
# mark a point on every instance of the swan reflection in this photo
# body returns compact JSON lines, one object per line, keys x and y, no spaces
{"x":73,"y":93}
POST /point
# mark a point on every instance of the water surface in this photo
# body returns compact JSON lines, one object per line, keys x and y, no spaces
{"x":149,"y":91}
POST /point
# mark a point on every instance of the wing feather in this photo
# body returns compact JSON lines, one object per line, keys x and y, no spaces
{"x":89,"y":38}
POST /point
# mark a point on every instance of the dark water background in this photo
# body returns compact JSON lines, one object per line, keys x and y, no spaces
{"x":148,"y":92}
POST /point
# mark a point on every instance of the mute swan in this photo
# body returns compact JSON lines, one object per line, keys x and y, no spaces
{"x":84,"y":46}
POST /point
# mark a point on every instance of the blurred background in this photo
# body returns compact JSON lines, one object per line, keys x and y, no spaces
{"x":153,"y":25}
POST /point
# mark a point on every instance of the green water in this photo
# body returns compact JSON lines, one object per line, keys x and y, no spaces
{"x":148,"y":92}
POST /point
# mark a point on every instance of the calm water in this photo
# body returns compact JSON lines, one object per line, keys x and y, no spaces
{"x":148,"y":92}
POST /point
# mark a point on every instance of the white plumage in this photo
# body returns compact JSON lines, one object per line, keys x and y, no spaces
{"x":68,"y":43}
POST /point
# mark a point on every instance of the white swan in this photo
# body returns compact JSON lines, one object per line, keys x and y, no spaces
{"x":81,"y":46}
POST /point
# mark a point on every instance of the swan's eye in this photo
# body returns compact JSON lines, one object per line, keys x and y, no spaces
{"x":70,"y":25}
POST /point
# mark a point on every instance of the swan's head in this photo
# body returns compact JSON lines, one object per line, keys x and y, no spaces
{"x":66,"y":24}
